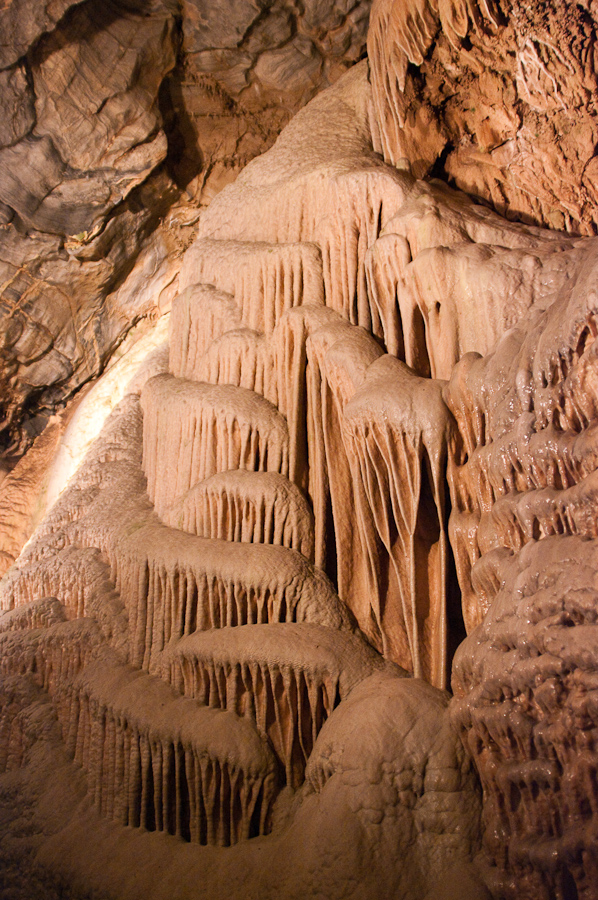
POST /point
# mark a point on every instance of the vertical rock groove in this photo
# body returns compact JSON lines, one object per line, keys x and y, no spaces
{"x":374,"y":433}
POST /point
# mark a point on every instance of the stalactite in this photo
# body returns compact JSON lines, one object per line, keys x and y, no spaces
{"x":174,"y":584}
{"x":443,"y":284}
{"x":192,"y":431}
{"x":335,"y":181}
{"x":37,"y":614}
{"x":360,"y":200}
{"x":286,"y":677}
{"x":250,"y":507}
{"x":127,"y":729}
{"x":200,"y":314}
{"x":289,"y":380}
{"x":239,"y":357}
{"x":273,"y":366}
{"x":266,"y":279}
{"x":385,"y":265}
{"x":50,"y":656}
{"x":74,"y":577}
{"x":17,"y":693}
{"x":400,"y":34}
{"x":352,"y":350}
{"x":397,"y":429}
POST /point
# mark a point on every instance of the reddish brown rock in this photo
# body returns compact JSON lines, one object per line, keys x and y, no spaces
{"x":497,"y":97}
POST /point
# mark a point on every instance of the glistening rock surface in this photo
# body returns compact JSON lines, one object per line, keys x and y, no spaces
{"x":496,"y":95}
{"x":376,"y":433}
{"x":257,"y":756}
{"x":110,"y":117}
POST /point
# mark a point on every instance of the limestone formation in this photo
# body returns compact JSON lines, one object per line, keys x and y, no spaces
{"x":113,"y":118}
{"x":495,"y":94}
{"x":361,"y":470}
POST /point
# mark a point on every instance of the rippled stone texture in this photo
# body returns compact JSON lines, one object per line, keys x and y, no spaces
{"x":110,"y":116}
{"x":497,"y":96}
{"x":373,"y":432}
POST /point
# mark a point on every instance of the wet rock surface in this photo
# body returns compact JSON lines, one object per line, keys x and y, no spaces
{"x":110,"y":116}
{"x":497,"y":97}
{"x":364,"y":460}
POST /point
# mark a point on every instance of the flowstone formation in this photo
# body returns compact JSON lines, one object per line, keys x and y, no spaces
{"x":172,"y":619}
{"x":363,"y":472}
{"x":117,"y":120}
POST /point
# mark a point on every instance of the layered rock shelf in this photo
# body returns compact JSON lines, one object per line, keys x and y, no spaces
{"x":201,"y":775}
{"x":250,"y":507}
{"x":288,"y":678}
{"x":362,"y":471}
{"x":216,"y":429}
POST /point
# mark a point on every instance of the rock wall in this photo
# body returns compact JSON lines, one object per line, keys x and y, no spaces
{"x":117,"y":121}
{"x":365,"y":472}
{"x":495,"y":95}
{"x":523,"y":678}
{"x":190,"y":551}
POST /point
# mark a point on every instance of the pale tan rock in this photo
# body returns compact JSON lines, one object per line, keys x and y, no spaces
{"x":397,"y":431}
{"x":20,"y":493}
{"x":265,"y":279}
{"x":251,"y":507}
{"x":215,"y":429}
{"x":279,"y":398}
{"x":287,"y":677}
{"x":211,"y":608}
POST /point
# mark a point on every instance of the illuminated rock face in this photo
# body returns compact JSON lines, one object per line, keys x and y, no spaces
{"x":365,"y":472}
{"x":176,"y":607}
{"x":111,"y":117}
{"x":496,"y":95}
